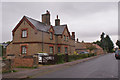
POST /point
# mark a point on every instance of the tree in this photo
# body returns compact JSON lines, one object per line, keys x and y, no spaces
{"x":91,"y":48}
{"x":108,"y":44}
{"x":97,"y":42}
{"x":105,"y":43}
{"x":118,"y":43}
{"x":102,"y":35}
{"x":102,"y":41}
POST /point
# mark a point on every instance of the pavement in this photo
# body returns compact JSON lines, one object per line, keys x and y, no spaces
{"x":42,"y":70}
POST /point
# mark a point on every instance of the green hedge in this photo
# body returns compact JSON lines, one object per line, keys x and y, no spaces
{"x":61,"y":58}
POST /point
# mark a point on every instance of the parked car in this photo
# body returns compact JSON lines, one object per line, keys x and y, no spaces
{"x":117,"y":54}
{"x":47,"y":57}
{"x":83,"y":52}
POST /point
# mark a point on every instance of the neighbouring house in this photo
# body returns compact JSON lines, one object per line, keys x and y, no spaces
{"x":31,"y":36}
{"x":82,"y":46}
{"x":3,"y":47}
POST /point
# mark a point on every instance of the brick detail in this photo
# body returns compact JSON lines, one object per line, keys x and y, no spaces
{"x":26,"y":62}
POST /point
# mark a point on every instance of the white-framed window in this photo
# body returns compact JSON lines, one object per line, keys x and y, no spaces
{"x":64,"y":37}
{"x":66,"y":50}
{"x":51,"y":50}
{"x":51,"y":35}
{"x":24,"y":33}
{"x":58,"y":49}
{"x":67,"y":38}
{"x":24,"y":49}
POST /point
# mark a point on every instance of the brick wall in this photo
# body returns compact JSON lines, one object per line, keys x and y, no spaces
{"x":25,"y":62}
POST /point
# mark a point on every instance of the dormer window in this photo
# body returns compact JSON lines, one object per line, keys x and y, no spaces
{"x":67,"y":38}
{"x":64,"y":37}
{"x":24,"y":33}
{"x":51,"y":36}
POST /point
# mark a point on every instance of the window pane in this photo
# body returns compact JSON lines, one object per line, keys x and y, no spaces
{"x":65,"y":49}
{"x":51,"y":35}
{"x":58,"y":49}
{"x":24,"y":33}
{"x":64,"y":38}
{"x":51,"y":50}
{"x":24,"y":50}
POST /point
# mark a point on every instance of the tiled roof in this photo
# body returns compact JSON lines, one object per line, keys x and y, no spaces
{"x":84,"y":45}
{"x":43,"y":27}
{"x":97,"y":46}
{"x":39,"y":25}
{"x":59,"y":29}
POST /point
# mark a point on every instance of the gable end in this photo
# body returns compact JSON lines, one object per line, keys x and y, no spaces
{"x":24,"y":18}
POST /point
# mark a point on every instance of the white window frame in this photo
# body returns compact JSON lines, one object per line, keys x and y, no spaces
{"x":64,"y":37}
{"x":51,"y":35}
{"x":24,"y":49}
{"x":24,"y":33}
{"x":67,"y":38}
{"x":59,"y":50}
{"x":51,"y":50}
{"x":65,"y":50}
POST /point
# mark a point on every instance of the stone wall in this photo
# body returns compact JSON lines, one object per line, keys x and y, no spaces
{"x":6,"y":65}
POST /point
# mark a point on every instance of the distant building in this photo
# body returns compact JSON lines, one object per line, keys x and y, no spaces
{"x":82,"y":46}
{"x":3,"y":47}
{"x":31,"y":36}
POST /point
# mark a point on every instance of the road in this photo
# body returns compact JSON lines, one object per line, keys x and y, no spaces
{"x":105,"y":66}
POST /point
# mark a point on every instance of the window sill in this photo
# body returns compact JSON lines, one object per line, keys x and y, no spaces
{"x":23,"y":37}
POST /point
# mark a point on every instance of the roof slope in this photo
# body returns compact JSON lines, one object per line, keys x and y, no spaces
{"x":39,"y":25}
{"x":59,"y":29}
{"x":43,"y":27}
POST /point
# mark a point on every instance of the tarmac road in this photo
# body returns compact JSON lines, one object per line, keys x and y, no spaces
{"x":102,"y":67}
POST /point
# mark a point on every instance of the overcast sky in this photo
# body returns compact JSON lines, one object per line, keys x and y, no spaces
{"x":87,"y":19}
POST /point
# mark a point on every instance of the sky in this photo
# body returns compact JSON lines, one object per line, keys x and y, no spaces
{"x":87,"y":19}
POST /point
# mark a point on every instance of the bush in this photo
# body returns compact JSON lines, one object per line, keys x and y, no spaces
{"x":62,"y":58}
{"x":26,"y":67}
{"x":59,"y":58}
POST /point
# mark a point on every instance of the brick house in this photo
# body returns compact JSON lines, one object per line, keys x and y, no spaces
{"x":31,"y":36}
{"x":82,"y":46}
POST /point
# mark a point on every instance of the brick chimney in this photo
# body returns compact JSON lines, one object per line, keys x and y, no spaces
{"x":77,"y":40}
{"x":46,"y":18}
{"x":57,"y":21}
{"x":73,"y":35}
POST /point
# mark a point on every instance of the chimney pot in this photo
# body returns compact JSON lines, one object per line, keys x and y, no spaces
{"x":57,"y":16}
{"x":73,"y":35}
{"x":57,"y":21}
{"x":46,"y":18}
{"x":77,"y":40}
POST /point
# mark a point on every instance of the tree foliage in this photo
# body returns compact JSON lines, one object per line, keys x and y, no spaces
{"x":118,"y":43}
{"x":106,"y":43}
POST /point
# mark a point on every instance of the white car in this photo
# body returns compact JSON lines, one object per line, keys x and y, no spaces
{"x":46,"y":58}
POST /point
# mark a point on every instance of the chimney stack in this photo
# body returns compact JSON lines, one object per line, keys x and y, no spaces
{"x":57,"y":21}
{"x":46,"y":18}
{"x":77,"y":40}
{"x":73,"y":35}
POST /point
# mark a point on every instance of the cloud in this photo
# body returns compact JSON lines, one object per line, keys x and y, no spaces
{"x":87,"y":19}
